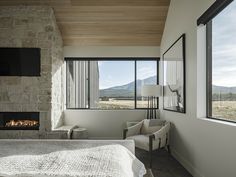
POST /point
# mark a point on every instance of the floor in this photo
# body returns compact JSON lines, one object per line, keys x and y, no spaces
{"x":164,"y":165}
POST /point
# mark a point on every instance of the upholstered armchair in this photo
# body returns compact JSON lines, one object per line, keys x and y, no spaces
{"x":149,"y":135}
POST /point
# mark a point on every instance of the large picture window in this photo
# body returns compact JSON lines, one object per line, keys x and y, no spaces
{"x":146,"y":74}
{"x":221,"y":65}
{"x":109,"y":83}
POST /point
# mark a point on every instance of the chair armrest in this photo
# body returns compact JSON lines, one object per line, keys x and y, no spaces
{"x":133,"y":130}
{"x":125,"y":133}
{"x":163,"y":134}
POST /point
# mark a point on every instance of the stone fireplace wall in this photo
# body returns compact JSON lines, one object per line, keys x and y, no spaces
{"x":33,"y":26}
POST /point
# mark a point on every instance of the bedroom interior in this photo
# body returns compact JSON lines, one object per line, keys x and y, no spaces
{"x":121,"y":88}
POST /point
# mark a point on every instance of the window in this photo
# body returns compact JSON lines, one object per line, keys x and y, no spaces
{"x":221,"y":65}
{"x":146,"y":75}
{"x":108,"y":83}
{"x":116,"y":85}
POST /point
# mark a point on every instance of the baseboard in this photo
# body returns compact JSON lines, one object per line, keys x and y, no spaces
{"x":187,"y":165}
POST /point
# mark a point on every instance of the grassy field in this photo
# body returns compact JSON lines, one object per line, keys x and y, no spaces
{"x":116,"y":104}
{"x":220,"y":109}
{"x":224,"y":110}
{"x":121,"y":104}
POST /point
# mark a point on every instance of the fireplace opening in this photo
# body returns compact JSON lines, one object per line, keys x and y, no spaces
{"x":19,"y":121}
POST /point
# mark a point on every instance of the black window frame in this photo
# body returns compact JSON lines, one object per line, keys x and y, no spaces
{"x":135,"y":59}
{"x":209,"y":69}
{"x":213,"y":10}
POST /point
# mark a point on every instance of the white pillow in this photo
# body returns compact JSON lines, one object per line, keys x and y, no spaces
{"x":151,"y":125}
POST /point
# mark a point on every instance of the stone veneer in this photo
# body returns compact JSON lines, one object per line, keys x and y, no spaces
{"x":33,"y":26}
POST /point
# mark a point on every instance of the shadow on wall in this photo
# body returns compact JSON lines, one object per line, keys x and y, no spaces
{"x":177,"y":140}
{"x":103,"y":124}
{"x":57,"y":79}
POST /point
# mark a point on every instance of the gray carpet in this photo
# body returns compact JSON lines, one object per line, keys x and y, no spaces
{"x":164,"y":165}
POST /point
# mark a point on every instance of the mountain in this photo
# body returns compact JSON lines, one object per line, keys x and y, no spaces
{"x":223,"y":93}
{"x":223,"y":90}
{"x":126,"y":90}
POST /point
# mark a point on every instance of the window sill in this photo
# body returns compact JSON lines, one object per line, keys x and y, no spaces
{"x":91,"y":109}
{"x":218,"y":121}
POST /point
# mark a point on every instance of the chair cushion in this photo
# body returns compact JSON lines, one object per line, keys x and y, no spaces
{"x":142,"y":142}
{"x":151,"y":125}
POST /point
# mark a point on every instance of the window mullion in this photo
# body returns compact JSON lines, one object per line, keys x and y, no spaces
{"x":135,"y":84}
{"x":209,"y":69}
{"x":89,"y":104}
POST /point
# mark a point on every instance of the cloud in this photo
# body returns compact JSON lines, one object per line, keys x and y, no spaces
{"x":106,"y":82}
{"x":224,"y":47}
{"x":146,"y":72}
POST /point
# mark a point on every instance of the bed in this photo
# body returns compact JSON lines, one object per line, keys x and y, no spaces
{"x":69,"y":158}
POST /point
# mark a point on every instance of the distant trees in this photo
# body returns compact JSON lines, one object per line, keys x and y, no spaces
{"x":224,"y":96}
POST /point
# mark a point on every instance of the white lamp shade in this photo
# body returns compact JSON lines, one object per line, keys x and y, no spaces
{"x":151,"y":90}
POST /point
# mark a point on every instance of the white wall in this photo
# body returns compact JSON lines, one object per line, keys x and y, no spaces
{"x":106,"y":124}
{"x":111,"y":51}
{"x":205,"y":147}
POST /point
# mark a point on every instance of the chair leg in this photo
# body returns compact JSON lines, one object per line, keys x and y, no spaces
{"x":150,"y":156}
{"x":150,"y":148}
{"x":168,"y":149}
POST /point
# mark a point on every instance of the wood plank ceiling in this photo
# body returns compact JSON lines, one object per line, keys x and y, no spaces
{"x":106,"y":22}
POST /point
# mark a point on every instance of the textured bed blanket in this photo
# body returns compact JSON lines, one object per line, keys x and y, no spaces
{"x":101,"y":161}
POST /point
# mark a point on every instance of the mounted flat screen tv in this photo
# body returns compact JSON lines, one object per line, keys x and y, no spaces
{"x":20,"y":62}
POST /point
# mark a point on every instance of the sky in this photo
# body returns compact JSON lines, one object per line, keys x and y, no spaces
{"x":116,"y":73}
{"x":224,"y":47}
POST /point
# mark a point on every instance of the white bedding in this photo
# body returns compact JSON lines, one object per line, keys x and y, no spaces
{"x":102,"y":161}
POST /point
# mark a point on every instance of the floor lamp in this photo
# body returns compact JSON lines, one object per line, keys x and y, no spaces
{"x":152,"y":92}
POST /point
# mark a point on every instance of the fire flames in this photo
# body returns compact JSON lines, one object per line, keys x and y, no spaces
{"x":22,"y":123}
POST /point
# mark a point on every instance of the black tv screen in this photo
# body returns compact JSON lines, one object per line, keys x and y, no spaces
{"x":19,"y":62}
